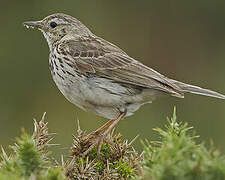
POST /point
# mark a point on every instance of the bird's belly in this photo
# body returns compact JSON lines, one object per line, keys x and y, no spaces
{"x":70,"y":89}
{"x":100,"y":96}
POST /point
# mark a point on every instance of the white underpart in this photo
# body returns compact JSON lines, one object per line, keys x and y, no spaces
{"x":98,"y":95}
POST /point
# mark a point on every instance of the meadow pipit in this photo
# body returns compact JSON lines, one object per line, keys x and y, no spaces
{"x":98,"y":76}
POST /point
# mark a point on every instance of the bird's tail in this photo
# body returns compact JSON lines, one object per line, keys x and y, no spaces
{"x":197,"y":90}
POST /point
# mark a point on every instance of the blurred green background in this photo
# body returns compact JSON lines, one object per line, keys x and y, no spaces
{"x":184,"y":40}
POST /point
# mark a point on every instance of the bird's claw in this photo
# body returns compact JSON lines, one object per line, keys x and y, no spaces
{"x":98,"y":142}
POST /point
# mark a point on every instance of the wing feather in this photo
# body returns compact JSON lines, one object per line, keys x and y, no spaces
{"x":104,"y":59}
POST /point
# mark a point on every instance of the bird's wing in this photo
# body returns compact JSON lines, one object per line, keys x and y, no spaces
{"x":104,"y":59}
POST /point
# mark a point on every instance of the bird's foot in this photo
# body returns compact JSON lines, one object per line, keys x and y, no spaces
{"x":98,"y":142}
{"x":99,"y":139}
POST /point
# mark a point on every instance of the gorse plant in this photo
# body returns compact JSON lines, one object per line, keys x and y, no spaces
{"x":29,"y":159}
{"x":117,"y":160}
{"x":176,"y":156}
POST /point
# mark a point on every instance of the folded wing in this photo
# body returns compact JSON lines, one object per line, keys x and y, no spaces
{"x":104,"y":59}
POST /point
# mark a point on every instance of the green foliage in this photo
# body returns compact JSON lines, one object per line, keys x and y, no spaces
{"x":120,"y":165}
{"x":177,"y":156}
{"x":55,"y":173}
{"x":105,"y":152}
{"x":124,"y":169}
{"x":117,"y":160}
{"x":29,"y":160}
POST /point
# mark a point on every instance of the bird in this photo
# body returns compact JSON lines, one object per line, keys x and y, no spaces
{"x":99,"y":77}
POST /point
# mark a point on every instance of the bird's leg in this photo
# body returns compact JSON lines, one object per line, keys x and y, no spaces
{"x":99,"y":141}
{"x":106,"y":133}
{"x":99,"y":130}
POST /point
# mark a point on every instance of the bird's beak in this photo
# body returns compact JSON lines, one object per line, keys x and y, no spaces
{"x":33,"y":24}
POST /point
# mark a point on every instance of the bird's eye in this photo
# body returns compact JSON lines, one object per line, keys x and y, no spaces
{"x":53,"y":24}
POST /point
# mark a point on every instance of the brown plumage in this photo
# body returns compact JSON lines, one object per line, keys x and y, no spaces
{"x":98,"y":76}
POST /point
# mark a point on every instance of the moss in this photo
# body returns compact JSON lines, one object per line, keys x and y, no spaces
{"x":124,"y":169}
{"x":105,"y":152}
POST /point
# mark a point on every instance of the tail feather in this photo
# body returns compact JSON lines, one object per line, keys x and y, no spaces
{"x":198,"y":90}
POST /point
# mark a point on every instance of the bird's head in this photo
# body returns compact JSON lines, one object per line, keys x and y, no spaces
{"x":56,"y":26}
